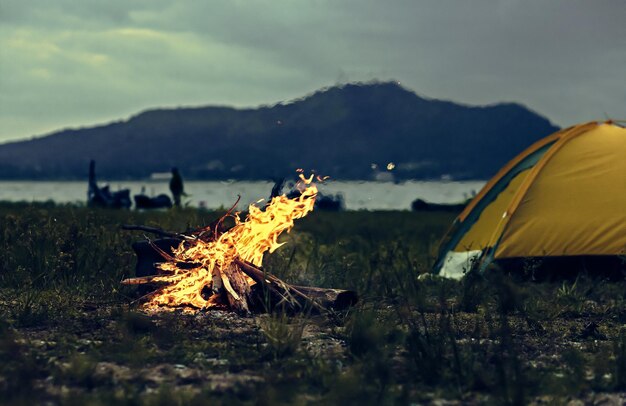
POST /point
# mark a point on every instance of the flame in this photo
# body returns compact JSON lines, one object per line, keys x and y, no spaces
{"x":248,"y":240}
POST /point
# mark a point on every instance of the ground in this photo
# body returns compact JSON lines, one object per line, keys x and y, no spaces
{"x":71,"y":334}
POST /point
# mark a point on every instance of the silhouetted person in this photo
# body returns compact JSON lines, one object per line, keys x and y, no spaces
{"x":176,"y":186}
{"x":95,"y":195}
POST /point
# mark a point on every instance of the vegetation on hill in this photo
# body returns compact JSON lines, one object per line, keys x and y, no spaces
{"x":339,"y":131}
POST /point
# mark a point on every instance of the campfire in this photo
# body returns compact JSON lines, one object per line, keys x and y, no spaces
{"x":216,"y":268}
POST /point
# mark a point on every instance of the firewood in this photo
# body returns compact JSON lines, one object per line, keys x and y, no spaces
{"x":140,"y":280}
{"x":231,"y":283}
{"x":237,"y":287}
{"x":147,"y":255}
{"x":320,"y":299}
{"x":282,"y":293}
{"x":153,"y":230}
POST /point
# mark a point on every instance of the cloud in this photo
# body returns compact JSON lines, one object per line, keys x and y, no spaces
{"x":72,"y":62}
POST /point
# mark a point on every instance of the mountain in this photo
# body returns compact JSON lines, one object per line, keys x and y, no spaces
{"x":339,"y":131}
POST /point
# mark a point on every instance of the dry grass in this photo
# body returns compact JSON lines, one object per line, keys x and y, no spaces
{"x":70,"y":334}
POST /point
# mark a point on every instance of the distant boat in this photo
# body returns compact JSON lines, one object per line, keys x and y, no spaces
{"x":422,"y":205}
{"x":161,"y":201}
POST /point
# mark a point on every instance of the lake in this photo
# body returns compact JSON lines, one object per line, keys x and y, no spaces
{"x":367,"y":195}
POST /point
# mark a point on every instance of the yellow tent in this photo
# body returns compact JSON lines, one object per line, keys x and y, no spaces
{"x":563,"y":196}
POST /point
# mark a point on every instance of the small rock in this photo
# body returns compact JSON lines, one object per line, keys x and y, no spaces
{"x":591,"y":331}
{"x":111,"y":372}
{"x":618,"y":399}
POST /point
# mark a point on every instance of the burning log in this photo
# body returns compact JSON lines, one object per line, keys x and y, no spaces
{"x":140,"y":280}
{"x":218,"y":267}
{"x":269,"y":291}
{"x":304,"y":296}
{"x":237,"y":286}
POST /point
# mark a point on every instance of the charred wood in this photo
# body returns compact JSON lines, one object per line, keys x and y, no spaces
{"x":300,"y":296}
{"x":237,"y":289}
{"x":231,"y":284}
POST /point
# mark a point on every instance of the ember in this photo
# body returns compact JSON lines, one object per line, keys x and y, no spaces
{"x":214,"y":269}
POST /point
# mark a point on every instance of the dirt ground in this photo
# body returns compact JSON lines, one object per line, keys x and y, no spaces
{"x":113,"y":354}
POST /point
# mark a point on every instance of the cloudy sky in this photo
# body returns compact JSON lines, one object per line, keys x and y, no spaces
{"x":68,"y":63}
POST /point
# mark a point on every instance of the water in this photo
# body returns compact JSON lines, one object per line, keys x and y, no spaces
{"x":215,"y":194}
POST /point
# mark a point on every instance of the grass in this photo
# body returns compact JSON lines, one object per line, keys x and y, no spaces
{"x":70,"y":334}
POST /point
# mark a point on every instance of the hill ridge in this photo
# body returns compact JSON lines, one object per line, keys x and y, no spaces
{"x":341,"y":131}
